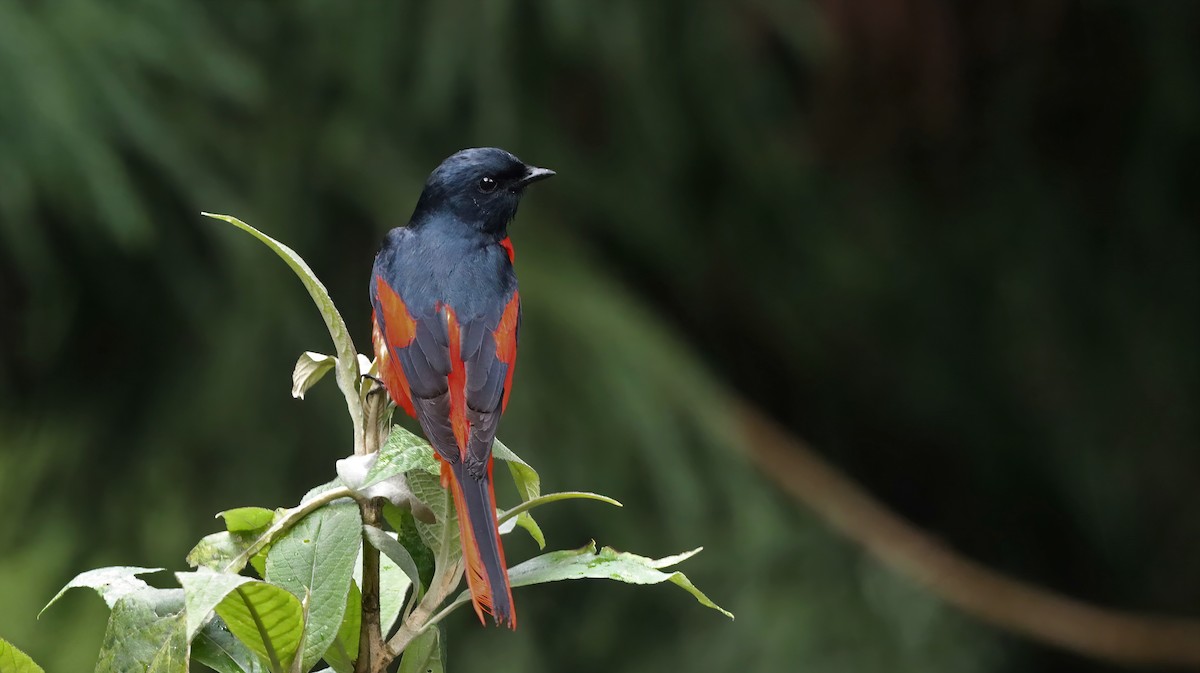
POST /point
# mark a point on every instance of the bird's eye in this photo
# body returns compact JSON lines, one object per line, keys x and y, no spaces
{"x":487,"y":185}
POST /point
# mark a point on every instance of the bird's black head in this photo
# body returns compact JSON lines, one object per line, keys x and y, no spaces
{"x":480,"y":187}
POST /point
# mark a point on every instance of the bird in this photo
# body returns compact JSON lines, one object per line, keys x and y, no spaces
{"x":446,"y":315}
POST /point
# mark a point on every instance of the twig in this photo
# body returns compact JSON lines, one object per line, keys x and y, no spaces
{"x":1003,"y":601}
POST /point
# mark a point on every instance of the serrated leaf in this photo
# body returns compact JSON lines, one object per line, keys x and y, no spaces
{"x":428,"y":489}
{"x":607,"y":564}
{"x":347,"y":356}
{"x":13,"y":660}
{"x":424,"y":654}
{"x":402,"y":452}
{"x":112,"y":583}
{"x":267,"y":619}
{"x":140,"y":637}
{"x":316,"y":558}
{"x":393,"y":588}
{"x":344,"y":650}
{"x":202,"y":591}
{"x":247,"y":519}
{"x":529,"y":485}
{"x":310,"y":368}
{"x":218,"y":649}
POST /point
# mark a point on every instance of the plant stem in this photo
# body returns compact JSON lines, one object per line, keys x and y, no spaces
{"x":371,"y":647}
{"x":446,"y":577}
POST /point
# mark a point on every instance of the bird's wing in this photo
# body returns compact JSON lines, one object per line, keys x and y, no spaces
{"x":453,"y":377}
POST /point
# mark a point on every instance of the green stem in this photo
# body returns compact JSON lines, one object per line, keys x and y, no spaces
{"x":554,"y":497}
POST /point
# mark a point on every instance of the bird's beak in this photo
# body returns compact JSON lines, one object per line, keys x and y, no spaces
{"x":534,"y":174}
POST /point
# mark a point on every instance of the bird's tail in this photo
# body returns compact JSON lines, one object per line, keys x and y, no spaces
{"x":487,"y":573}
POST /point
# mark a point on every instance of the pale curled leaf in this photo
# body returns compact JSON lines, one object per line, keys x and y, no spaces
{"x":266,"y":619}
{"x":111,"y":583}
{"x":310,"y":368}
{"x":13,"y":660}
{"x":346,"y":366}
{"x":316,"y":559}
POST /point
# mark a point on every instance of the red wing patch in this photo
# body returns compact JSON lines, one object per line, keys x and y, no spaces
{"x":457,"y":381}
{"x":506,"y":342}
{"x":401,"y":329}
{"x":508,"y":247}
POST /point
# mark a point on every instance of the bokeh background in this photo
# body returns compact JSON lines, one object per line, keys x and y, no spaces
{"x":952,"y":245}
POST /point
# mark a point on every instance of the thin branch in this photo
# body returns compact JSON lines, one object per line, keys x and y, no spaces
{"x":1039,"y":613}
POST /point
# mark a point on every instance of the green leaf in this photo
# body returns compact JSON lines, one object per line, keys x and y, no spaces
{"x":218,"y":550}
{"x":428,"y":489}
{"x":112,"y":583}
{"x":424,"y":654}
{"x":140,"y":637}
{"x":405,"y":525}
{"x":247,"y":519}
{"x":607,"y":564}
{"x":13,"y":660}
{"x":202,"y":591}
{"x":342,"y":654}
{"x":267,"y":619}
{"x":347,"y":357}
{"x":218,"y":649}
{"x":316,"y":558}
{"x":529,"y":485}
{"x":396,"y":552}
{"x":402,"y":452}
{"x":310,"y":368}
{"x":393,"y":587}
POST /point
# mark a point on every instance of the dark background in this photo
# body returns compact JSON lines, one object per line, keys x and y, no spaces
{"x":953,"y":245}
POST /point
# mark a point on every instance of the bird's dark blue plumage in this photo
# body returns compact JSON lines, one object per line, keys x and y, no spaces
{"x":446,"y":319}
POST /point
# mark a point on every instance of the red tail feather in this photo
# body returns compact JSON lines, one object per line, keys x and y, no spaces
{"x":487,"y":572}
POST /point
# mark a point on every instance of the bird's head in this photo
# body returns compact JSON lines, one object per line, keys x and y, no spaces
{"x":481,"y":186}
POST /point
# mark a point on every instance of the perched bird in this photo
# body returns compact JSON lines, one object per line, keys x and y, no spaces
{"x":446,"y":317}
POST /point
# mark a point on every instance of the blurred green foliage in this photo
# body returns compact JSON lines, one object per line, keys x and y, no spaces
{"x":954,"y":246}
